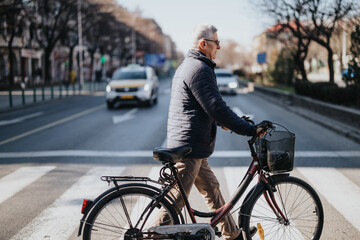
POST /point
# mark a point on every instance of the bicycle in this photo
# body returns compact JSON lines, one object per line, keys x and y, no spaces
{"x":279,"y":206}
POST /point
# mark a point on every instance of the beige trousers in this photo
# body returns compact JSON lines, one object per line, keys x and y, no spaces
{"x":198,"y":172}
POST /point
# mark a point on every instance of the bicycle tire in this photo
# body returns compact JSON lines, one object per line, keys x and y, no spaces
{"x":300,"y":204}
{"x":108,"y":220}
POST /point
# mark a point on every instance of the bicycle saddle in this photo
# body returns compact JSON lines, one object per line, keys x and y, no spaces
{"x":171,"y":155}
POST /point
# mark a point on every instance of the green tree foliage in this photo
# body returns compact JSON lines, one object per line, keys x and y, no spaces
{"x":283,"y":70}
{"x":352,"y":74}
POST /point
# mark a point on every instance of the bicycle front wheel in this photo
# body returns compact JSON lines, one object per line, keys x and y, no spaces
{"x":297,"y":200}
{"x":128,"y":214}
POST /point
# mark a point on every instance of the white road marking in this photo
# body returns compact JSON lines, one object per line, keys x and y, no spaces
{"x":125,"y":117}
{"x":19,"y":179}
{"x":341,"y":192}
{"x":61,"y":219}
{"x":72,"y":117}
{"x":76,"y":153}
{"x":149,"y":153}
{"x":58,"y":221}
{"x":240,"y":113}
{"x":20,"y":119}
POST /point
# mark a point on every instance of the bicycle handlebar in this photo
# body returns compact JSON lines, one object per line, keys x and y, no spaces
{"x":265,"y":125}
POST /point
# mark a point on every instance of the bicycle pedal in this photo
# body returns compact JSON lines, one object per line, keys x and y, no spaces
{"x":217,"y":232}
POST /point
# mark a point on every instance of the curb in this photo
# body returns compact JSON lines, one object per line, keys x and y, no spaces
{"x":343,"y":120}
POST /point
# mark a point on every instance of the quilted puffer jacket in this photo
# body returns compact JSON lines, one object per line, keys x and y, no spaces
{"x":197,"y":107}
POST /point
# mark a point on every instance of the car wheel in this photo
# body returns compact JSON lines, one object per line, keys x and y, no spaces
{"x":110,"y":105}
{"x":149,"y":102}
{"x":156,"y":99}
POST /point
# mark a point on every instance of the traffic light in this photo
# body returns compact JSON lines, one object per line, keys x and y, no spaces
{"x":103,"y":59}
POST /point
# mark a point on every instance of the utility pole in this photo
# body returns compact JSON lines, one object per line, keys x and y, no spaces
{"x":133,"y":37}
{"x":80,"y":43}
{"x":344,"y":59}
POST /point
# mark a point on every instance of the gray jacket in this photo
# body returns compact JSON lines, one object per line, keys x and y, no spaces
{"x":196,"y":107}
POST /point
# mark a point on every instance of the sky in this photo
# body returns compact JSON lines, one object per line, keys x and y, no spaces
{"x":238,"y":20}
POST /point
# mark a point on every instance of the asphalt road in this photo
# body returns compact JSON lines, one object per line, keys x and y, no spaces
{"x":51,"y":156}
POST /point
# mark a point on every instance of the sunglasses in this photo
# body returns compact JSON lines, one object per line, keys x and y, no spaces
{"x":217,"y":42}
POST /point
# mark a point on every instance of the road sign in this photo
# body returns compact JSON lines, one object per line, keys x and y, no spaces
{"x":155,"y":59}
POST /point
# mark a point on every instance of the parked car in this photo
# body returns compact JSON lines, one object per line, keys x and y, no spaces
{"x":132,"y":84}
{"x":226,"y":81}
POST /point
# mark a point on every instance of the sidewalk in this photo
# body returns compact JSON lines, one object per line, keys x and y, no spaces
{"x":19,"y":99}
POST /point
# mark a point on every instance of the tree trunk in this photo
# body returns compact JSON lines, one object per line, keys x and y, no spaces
{"x":11,"y":61}
{"x":47,"y":66}
{"x":11,"y":64}
{"x":302,"y":70}
{"x":92,"y":53}
{"x":331,"y":65}
{"x":71,"y":51}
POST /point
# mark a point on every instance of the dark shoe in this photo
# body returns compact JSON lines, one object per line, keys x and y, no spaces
{"x":253,"y":230}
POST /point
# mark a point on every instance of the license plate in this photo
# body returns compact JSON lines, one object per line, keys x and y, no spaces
{"x":127,"y":97}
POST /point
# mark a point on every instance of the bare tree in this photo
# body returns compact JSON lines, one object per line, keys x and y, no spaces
{"x":54,"y":22}
{"x":14,"y":14}
{"x":324,"y":16}
{"x":289,"y":16}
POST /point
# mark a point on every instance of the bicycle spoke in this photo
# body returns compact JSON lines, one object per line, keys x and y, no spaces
{"x":126,"y":211}
{"x":297,"y":204}
{"x":117,"y":216}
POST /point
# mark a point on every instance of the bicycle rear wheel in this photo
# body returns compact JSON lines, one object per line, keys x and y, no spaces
{"x":124,"y":214}
{"x":297,"y":200}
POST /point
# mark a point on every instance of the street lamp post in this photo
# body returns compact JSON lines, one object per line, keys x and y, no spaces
{"x":133,"y":38}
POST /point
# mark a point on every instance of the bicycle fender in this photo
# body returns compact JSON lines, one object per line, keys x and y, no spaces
{"x":258,"y":185}
{"x":108,"y":192}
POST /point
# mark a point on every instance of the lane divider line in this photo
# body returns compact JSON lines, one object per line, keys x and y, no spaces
{"x":80,"y":114}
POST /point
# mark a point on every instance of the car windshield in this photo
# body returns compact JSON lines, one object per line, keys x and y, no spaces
{"x":119,"y":75}
{"x":223,"y":75}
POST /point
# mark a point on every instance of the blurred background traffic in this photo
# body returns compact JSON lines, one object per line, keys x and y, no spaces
{"x":310,"y":47}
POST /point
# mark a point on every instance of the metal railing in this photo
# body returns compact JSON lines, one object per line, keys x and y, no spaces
{"x":33,"y":95}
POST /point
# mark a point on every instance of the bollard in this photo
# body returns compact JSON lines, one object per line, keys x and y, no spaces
{"x":23,"y":96}
{"x":43,"y":93}
{"x":10,"y":98}
{"x":34,"y":94}
{"x":52,"y":92}
{"x":60,"y":92}
{"x":73,"y":88}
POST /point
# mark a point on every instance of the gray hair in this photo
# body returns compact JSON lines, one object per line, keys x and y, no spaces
{"x":201,"y":32}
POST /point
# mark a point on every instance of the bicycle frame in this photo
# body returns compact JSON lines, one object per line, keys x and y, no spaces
{"x":173,"y":179}
{"x":220,"y":213}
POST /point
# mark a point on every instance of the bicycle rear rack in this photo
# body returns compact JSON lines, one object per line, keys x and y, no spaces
{"x":116,"y":179}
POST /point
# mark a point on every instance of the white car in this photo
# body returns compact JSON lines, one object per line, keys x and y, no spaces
{"x":226,"y":81}
{"x":132,"y":84}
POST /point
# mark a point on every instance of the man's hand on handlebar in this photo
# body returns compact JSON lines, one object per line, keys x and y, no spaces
{"x":263,"y":127}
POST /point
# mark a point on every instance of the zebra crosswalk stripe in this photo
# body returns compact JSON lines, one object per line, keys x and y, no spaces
{"x":341,"y":192}
{"x":19,"y":179}
{"x":60,"y":219}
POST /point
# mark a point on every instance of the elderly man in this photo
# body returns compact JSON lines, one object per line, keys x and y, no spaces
{"x":196,"y":108}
